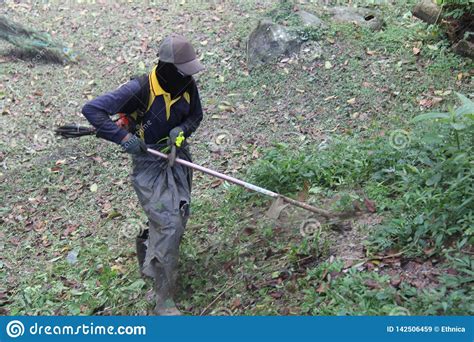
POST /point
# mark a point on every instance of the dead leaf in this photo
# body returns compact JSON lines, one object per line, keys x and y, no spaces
{"x":39,"y":226}
{"x":236,"y":303}
{"x":322,"y":288}
{"x":395,"y":281}
{"x":144,"y":46}
{"x":93,"y":187}
{"x":249,"y":231}
{"x":276,"y":294}
{"x":416,"y":51}
{"x":119,"y":268}
{"x":429,"y":250}
{"x":216,"y":183}
{"x":226,"y":108}
{"x":372,"y":284}
{"x":370,"y":205}
{"x":351,"y":101}
{"x":70,"y":229}
{"x":304,"y":193}
{"x":348,"y":263}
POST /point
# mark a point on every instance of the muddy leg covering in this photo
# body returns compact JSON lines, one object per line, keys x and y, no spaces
{"x":165,"y":195}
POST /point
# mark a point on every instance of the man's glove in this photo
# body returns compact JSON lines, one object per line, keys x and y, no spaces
{"x":133,"y":145}
{"x":177,"y":136}
{"x":176,"y":139}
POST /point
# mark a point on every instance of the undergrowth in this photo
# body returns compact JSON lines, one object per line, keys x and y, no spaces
{"x":421,"y":177}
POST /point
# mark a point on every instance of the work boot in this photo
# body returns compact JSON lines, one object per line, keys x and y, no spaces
{"x":141,"y":251}
{"x":164,"y":288}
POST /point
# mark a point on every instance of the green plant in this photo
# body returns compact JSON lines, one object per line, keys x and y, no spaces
{"x":456,"y":8}
{"x":458,"y":120}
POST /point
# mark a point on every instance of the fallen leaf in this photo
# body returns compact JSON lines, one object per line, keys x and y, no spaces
{"x":119,"y":268}
{"x":395,"y":281}
{"x":328,"y":65}
{"x":321,"y":288}
{"x":370,"y":205}
{"x":351,"y":101}
{"x":348,"y":263}
{"x":249,"y":231}
{"x":372,"y":284}
{"x":144,"y":45}
{"x":276,"y":295}
{"x":416,"y":51}
{"x":236,"y":303}
{"x":216,"y":183}
{"x":70,"y":229}
{"x":93,"y":187}
{"x":429,"y":250}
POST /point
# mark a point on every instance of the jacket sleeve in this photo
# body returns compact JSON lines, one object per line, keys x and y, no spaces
{"x":124,"y":99}
{"x":194,"y":118}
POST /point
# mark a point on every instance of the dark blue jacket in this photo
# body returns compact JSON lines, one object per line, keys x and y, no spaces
{"x":157,"y":121}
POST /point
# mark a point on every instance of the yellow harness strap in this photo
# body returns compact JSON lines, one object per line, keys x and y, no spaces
{"x":157,"y":90}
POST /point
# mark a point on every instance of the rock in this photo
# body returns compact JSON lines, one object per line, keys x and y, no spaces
{"x":269,"y":41}
{"x":427,"y":11}
{"x":310,"y":19}
{"x":363,"y":17}
{"x":464,"y":48}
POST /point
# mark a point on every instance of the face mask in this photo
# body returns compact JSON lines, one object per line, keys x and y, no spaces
{"x":171,"y":80}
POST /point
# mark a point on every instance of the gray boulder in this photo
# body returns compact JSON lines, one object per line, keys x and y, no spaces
{"x":427,"y":11}
{"x":464,"y":48}
{"x":309,"y":19}
{"x":363,"y":17}
{"x":269,"y":41}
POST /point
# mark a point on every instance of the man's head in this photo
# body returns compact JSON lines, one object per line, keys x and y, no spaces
{"x":177,"y":50}
{"x":177,"y":62}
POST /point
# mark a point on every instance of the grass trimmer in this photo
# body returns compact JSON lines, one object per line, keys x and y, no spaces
{"x":74,"y":131}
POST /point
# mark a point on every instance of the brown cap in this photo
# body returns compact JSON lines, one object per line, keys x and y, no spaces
{"x":178,"y":50}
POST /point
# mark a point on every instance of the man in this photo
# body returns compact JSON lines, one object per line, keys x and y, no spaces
{"x":161,"y":111}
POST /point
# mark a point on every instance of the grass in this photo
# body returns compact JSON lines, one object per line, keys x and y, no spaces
{"x":234,"y":260}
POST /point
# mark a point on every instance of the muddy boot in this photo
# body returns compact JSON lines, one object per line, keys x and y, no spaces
{"x":164,"y":288}
{"x":141,"y":250}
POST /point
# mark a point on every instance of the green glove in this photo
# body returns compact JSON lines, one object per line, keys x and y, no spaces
{"x":177,"y":136}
